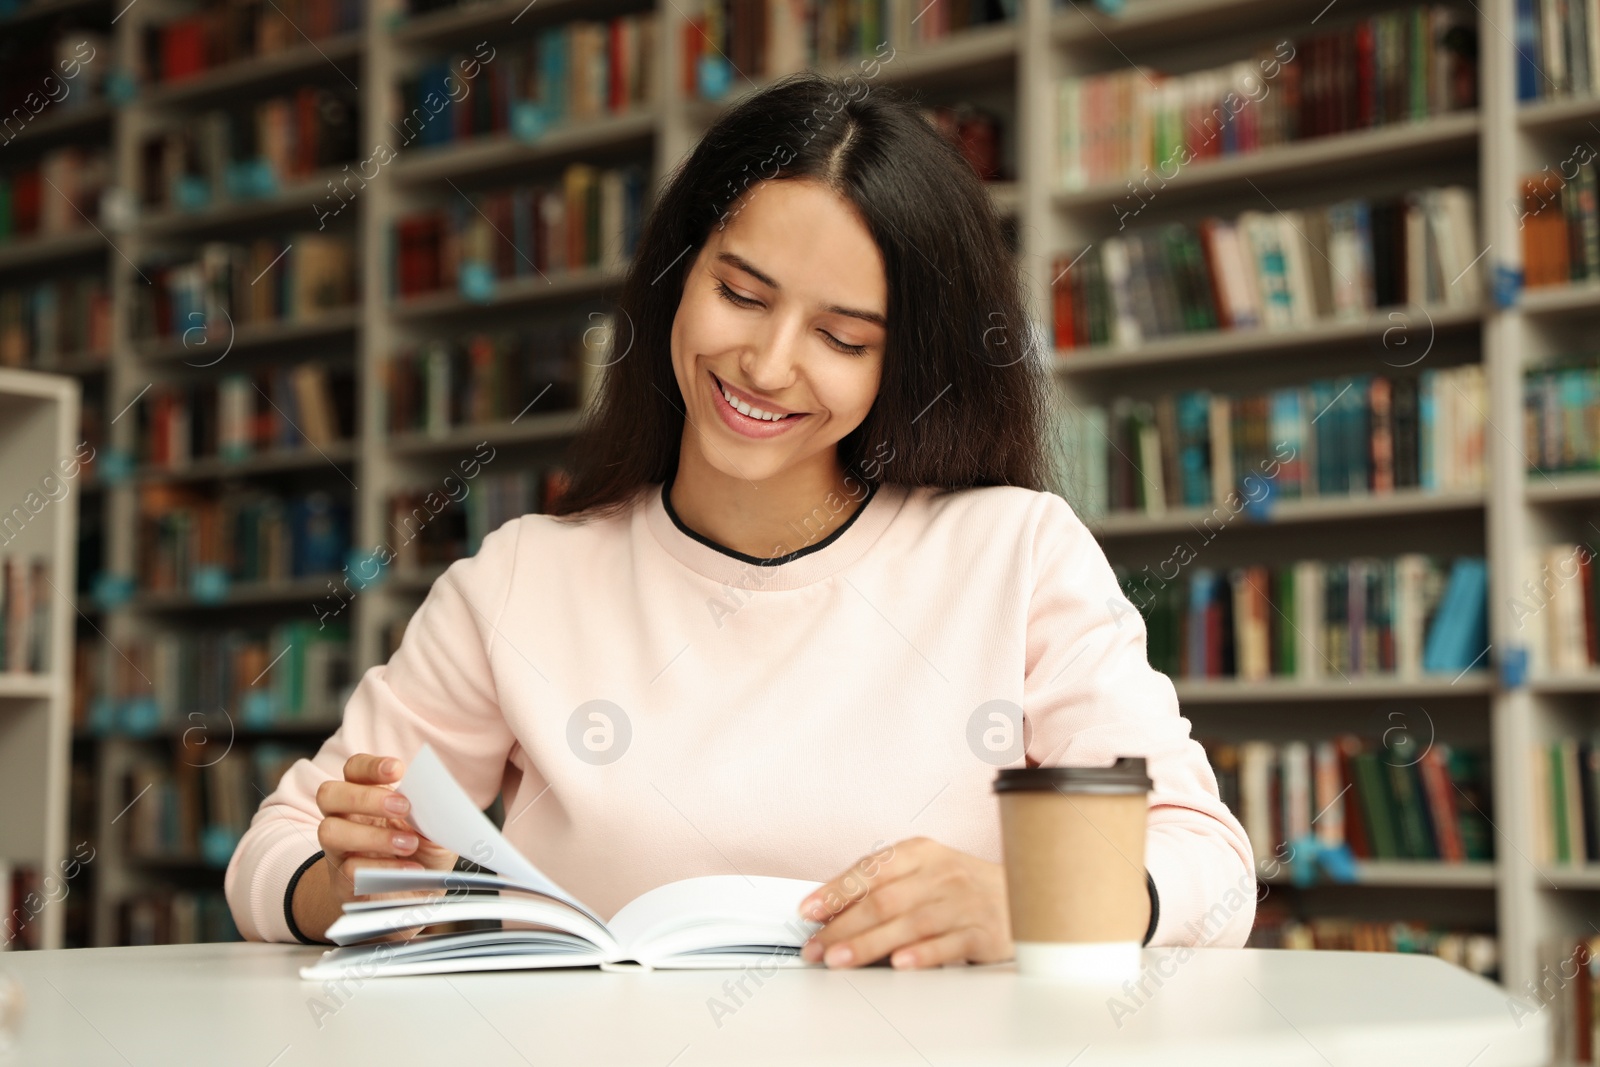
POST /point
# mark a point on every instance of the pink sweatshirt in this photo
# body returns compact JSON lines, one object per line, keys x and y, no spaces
{"x":780,"y":720}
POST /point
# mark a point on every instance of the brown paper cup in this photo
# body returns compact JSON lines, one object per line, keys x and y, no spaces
{"x":1074,"y":856}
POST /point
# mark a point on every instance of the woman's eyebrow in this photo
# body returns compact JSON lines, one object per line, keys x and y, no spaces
{"x":767,"y":280}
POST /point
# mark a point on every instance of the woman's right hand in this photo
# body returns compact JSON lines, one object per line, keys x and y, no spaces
{"x":364,"y":824}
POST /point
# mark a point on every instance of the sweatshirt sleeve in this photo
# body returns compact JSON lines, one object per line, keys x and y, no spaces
{"x":1091,"y":695}
{"x":436,"y":689}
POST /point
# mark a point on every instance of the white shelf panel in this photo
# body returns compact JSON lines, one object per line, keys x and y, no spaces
{"x":1357,"y":687}
{"x":61,"y":121}
{"x":39,"y":251}
{"x":1420,"y":323}
{"x":1585,"y":876}
{"x":1415,"y":874}
{"x":296,"y":199}
{"x":1316,"y":509}
{"x":330,"y":324}
{"x":1585,"y":682}
{"x":504,"y":151}
{"x":277,"y":460}
{"x":526,"y":290}
{"x":15,"y":686}
{"x":1385,"y":145}
{"x":1553,"y":300}
{"x":529,"y":428}
{"x":240,"y":594}
{"x":300,"y":60}
{"x":1563,"y":488}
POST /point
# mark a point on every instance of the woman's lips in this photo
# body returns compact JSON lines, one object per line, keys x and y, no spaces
{"x":743,"y":424}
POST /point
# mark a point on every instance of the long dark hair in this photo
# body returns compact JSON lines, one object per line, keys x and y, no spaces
{"x":964,"y":396}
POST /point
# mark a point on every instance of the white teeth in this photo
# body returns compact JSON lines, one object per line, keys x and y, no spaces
{"x":745,"y":409}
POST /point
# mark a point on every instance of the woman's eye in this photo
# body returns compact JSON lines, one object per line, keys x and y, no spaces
{"x":734,"y":298}
{"x":852,"y":350}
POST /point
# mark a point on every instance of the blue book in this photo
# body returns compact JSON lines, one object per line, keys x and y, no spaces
{"x":1527,"y":37}
{"x":1460,"y":629}
{"x":1194,"y":447}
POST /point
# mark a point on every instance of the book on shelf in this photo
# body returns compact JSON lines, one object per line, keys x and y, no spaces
{"x":1560,"y":404}
{"x":202,"y":301}
{"x":1560,"y":224}
{"x":725,"y":40}
{"x":1557,"y":49}
{"x":1555,"y":610}
{"x":1388,"y":68}
{"x":575,"y":72}
{"x":59,"y":193}
{"x":975,"y":132}
{"x":46,"y":324}
{"x":1277,"y":926}
{"x":250,"y":151}
{"x":1412,"y":799}
{"x":589,"y":219}
{"x":709,"y":922}
{"x":435,"y":528}
{"x":25,"y":599}
{"x":20,"y":887}
{"x":175,"y":917}
{"x":1359,"y":435}
{"x":227,"y":31}
{"x":199,"y":541}
{"x":479,"y":378}
{"x":299,"y":406}
{"x":1566,"y":782}
{"x":1404,"y":618}
{"x":1269,"y":270}
{"x":209,"y":685}
{"x":193,"y":807}
{"x":1568,"y":984}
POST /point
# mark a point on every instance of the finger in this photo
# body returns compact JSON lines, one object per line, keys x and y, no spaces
{"x":931,"y":920}
{"x":875,"y":868}
{"x":883,"y":904}
{"x":373,"y":770}
{"x":951,"y":947}
{"x":342,"y":836}
{"x":351,"y":798}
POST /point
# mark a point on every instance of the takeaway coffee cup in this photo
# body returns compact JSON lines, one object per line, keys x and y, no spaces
{"x":1074,"y":858}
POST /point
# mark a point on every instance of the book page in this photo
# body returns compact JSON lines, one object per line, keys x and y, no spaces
{"x":444,"y":813}
{"x":715,"y":911}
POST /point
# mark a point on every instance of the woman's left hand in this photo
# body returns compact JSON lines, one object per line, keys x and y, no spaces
{"x":918,"y":902}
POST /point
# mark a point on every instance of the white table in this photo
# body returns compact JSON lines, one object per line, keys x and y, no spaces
{"x":244,"y":1006}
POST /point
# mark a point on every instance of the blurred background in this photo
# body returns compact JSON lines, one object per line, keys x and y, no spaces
{"x":299,"y":299}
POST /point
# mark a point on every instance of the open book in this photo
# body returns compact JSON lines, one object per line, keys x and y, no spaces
{"x":709,"y":922}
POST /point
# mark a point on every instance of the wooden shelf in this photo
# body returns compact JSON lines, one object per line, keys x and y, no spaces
{"x":58,"y":121}
{"x":505,"y":151}
{"x":1582,"y":682}
{"x":290,"y":64}
{"x":1558,"y":114}
{"x":239,"y":594}
{"x":1423,"y":322}
{"x":1319,"y":156}
{"x":38,"y":251}
{"x":531,"y":289}
{"x":263,"y":335}
{"x":1583,"y":876}
{"x":448,"y":24}
{"x":15,"y":686}
{"x":272,"y":462}
{"x":1565,"y":488}
{"x":44,"y":9}
{"x":1553,"y":300}
{"x":1150,"y":22}
{"x":1411,"y":874}
{"x":1315,"y":509}
{"x":549,"y":426}
{"x":298,"y":198}
{"x":1359,"y":687}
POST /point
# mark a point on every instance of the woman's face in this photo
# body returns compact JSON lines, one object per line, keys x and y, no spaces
{"x":785,"y":308}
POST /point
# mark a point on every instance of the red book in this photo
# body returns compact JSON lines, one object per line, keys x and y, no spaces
{"x":25,"y":186}
{"x":1355,"y":830}
{"x":1208,"y":229}
{"x":183,"y":48}
{"x":1441,"y":806}
{"x":1366,"y":76}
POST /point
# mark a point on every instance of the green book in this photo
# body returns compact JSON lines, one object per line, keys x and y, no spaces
{"x":1416,"y":841}
{"x":1377,"y":805}
{"x":1558,"y":802}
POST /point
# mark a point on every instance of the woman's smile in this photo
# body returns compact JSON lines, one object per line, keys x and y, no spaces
{"x":751,"y":425}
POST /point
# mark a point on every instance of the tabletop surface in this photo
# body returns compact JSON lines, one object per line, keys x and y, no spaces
{"x":245,"y":1005}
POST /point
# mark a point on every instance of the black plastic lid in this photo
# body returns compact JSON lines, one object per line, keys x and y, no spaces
{"x":1126,"y":775}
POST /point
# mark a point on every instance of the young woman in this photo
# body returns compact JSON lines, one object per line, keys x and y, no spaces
{"x":809,"y":589}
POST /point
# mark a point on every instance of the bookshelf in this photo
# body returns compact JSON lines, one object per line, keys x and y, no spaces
{"x":1014,"y":69}
{"x":39,"y":416}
